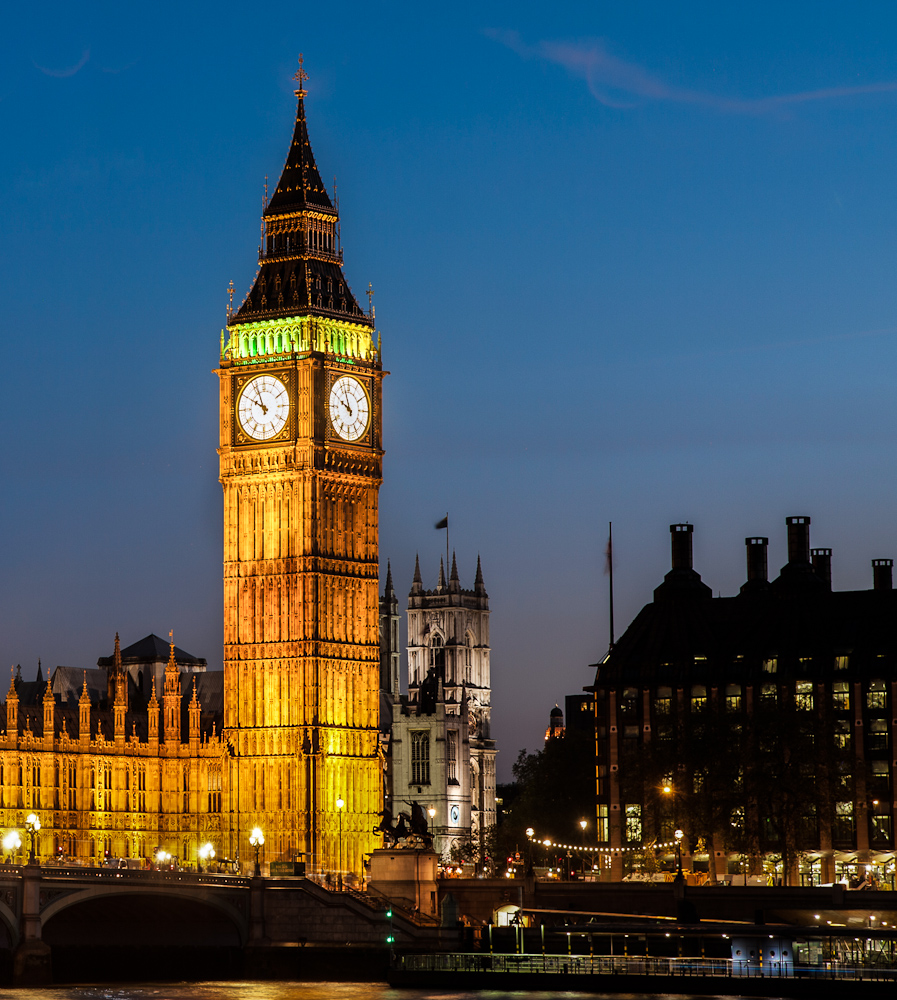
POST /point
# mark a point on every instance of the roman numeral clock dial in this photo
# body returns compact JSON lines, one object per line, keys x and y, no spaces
{"x":263,"y":407}
{"x":350,"y":408}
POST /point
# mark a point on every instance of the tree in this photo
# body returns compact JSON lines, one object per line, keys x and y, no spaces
{"x":555,"y":790}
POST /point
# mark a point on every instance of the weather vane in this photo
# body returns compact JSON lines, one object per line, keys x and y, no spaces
{"x":301,"y":76}
{"x":370,"y":295}
{"x":230,"y":296}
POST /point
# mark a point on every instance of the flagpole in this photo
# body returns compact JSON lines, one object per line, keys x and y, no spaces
{"x":447,"y":568}
{"x":610,"y":561}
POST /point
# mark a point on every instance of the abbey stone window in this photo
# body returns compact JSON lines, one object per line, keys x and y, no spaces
{"x":437,"y":652}
{"x":420,"y":758}
{"x":451,"y":756}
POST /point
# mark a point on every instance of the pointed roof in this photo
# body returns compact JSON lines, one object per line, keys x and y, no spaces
{"x":300,"y":263}
{"x":417,"y":584}
{"x":454,"y":579}
{"x":300,"y":186}
{"x":388,"y":591}
{"x":151,"y":649}
{"x":440,"y":585}
{"x":478,"y":585}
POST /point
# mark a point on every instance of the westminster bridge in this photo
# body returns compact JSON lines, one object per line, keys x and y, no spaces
{"x":56,"y":921}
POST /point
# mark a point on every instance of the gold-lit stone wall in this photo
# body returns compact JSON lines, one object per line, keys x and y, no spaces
{"x":100,"y":790}
{"x":301,"y":626}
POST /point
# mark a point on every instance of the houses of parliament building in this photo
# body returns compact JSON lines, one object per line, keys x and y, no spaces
{"x":149,"y":751}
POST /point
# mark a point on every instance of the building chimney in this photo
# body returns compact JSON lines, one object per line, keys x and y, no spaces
{"x":822,"y":564}
{"x":681,"y":545}
{"x":882,"y":574}
{"x":756,"y":559}
{"x":798,"y":539}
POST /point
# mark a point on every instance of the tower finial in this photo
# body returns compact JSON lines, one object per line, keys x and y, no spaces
{"x":300,"y":76}
{"x":230,"y":299}
{"x":370,"y":295}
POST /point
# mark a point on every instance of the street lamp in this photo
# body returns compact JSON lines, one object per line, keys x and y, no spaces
{"x":340,"y":804}
{"x":679,"y":834}
{"x":582,"y":825}
{"x":257,"y":838}
{"x":162,"y":858}
{"x":12,"y":842}
{"x":206,"y":853}
{"x":32,"y":825}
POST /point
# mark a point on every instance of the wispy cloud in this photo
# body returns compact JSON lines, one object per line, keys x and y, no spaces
{"x":620,"y":84}
{"x":67,"y":71}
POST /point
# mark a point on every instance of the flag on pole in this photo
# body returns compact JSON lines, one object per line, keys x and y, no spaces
{"x":443,"y":523}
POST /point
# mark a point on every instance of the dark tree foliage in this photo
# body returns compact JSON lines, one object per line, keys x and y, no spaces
{"x":555,"y":790}
{"x":792,"y":771}
{"x":748,"y":783}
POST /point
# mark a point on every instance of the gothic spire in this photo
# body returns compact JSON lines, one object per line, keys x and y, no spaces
{"x":388,"y":591}
{"x":454,"y":579}
{"x":417,"y":584}
{"x":441,"y":583}
{"x":479,"y":586}
{"x":300,"y":261}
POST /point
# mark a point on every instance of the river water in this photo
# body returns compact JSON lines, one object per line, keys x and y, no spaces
{"x":293,"y":991}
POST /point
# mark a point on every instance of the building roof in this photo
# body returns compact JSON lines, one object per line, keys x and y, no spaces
{"x":685,"y":635}
{"x":296,"y":279}
{"x":300,"y":186}
{"x":151,"y":649}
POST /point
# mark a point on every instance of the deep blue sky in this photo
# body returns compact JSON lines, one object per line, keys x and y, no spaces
{"x":633,"y":262}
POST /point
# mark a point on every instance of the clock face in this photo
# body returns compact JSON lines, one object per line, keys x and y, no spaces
{"x":263,"y":407}
{"x":350,"y":408}
{"x":455,"y":815}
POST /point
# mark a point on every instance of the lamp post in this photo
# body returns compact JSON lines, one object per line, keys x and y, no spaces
{"x":340,"y":803}
{"x":257,"y":838}
{"x":529,"y":849}
{"x":32,"y":825}
{"x":206,"y":854}
{"x":12,"y":842}
{"x":162,"y":858}
{"x":582,"y":825}
{"x":679,"y":834}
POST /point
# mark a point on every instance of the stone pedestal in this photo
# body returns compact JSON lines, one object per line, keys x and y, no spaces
{"x":405,"y":876}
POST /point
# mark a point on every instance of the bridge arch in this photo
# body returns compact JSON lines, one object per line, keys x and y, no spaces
{"x":95,"y":896}
{"x":10,"y":924}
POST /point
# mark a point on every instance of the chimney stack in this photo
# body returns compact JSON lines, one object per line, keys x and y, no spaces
{"x":680,"y":541}
{"x":798,"y":539}
{"x":822,"y":564}
{"x":882,"y":574}
{"x":756,"y":559}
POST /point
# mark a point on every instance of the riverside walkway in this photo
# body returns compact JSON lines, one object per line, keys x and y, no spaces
{"x":604,"y":973}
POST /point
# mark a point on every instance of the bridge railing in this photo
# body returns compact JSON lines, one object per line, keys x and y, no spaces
{"x":603,"y":965}
{"x":142,"y":875}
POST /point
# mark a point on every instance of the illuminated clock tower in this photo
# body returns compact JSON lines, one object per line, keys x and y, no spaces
{"x":300,"y":466}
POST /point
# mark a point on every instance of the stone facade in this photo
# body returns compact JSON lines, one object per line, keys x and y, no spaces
{"x":442,"y":753}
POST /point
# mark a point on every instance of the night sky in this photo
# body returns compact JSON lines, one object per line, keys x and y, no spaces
{"x":633,"y":262}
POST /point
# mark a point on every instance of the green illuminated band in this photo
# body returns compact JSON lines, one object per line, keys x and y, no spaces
{"x":267,"y":338}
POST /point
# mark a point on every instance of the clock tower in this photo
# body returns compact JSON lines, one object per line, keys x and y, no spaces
{"x":300,"y":466}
